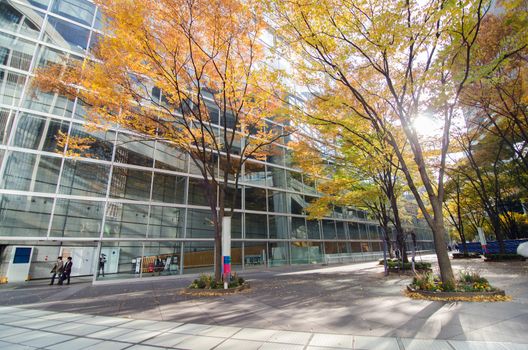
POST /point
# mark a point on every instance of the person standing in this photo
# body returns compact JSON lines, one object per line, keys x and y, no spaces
{"x":57,"y":269}
{"x":102,"y":260}
{"x":66,"y":271}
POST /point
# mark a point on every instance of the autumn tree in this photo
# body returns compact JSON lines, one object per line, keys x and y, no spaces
{"x":497,"y":100}
{"x":364,"y":171}
{"x":184,"y":72}
{"x":397,"y":61}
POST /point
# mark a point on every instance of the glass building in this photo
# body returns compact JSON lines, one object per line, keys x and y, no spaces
{"x":134,"y":205}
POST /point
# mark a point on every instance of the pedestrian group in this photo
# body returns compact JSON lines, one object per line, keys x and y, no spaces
{"x":62,"y":270}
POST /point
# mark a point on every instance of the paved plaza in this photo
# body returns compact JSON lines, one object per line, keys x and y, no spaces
{"x":337,"y":307}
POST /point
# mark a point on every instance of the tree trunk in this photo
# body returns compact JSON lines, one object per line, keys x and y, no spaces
{"x":446,"y":272}
{"x":400,"y":234}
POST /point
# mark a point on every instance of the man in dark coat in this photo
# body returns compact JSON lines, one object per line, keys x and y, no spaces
{"x":57,"y":270}
{"x":67,"y":271}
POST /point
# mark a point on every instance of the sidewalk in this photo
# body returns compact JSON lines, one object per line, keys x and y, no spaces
{"x":36,"y":329}
{"x":300,"y":307}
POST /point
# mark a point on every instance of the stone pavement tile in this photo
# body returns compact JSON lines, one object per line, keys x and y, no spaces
{"x":288,"y":337}
{"x":9,"y":346}
{"x":8,"y":309}
{"x":279,"y":346}
{"x":105,"y":321}
{"x":332,"y":340}
{"x":220,"y":331}
{"x":108,"y":345}
{"x":145,"y":347}
{"x":512,"y":346}
{"x":110,"y":333}
{"x":46,"y":340}
{"x":66,"y":316}
{"x":429,"y":344}
{"x":149,"y":325}
{"x":321,"y":348}
{"x":190,"y":328}
{"x":167,"y":339}
{"x":36,"y":323}
{"x":137,"y":336}
{"x":6,"y":331}
{"x":9,"y":318}
{"x":199,"y":343}
{"x":33,"y":313}
{"x":19,"y":337}
{"x":237,"y":344}
{"x":377,"y":343}
{"x":74,"y":344}
{"x":78,"y":329}
{"x":476,"y":345}
{"x":254,"y":334}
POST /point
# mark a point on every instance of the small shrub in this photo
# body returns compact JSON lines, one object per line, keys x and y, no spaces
{"x":208,"y":282}
{"x":397,"y":264}
{"x":469,"y":281}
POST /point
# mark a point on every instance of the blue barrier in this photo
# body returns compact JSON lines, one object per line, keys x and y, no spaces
{"x":510,"y":246}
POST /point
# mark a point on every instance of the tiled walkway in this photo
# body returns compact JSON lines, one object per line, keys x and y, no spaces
{"x":22,"y":328}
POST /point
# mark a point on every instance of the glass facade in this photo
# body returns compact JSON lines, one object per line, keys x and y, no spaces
{"x":131,"y":207}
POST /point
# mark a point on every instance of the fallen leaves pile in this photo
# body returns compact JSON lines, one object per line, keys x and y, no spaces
{"x":480,"y":298}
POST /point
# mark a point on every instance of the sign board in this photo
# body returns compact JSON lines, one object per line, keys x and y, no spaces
{"x":18,"y":270}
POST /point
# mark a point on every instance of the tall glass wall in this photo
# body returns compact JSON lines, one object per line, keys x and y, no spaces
{"x":140,"y":201}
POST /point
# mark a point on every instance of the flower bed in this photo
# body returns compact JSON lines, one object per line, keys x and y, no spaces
{"x":470,"y":286}
{"x":395,"y":265}
{"x":206,"y":285}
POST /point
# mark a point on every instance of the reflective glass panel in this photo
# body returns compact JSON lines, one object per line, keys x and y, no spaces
{"x":125,"y":220}
{"x":160,"y":259}
{"x":298,"y":228}
{"x":166,"y":222}
{"x":11,"y":85}
{"x":20,"y":19}
{"x":329,"y":231}
{"x":168,"y":188}
{"x":80,"y":11}
{"x":277,"y":201}
{"x":199,"y":224}
{"x":130,"y":184}
{"x":306,"y":253}
{"x":198,"y":257}
{"x":84,"y":178}
{"x":197,"y":193}
{"x":65,"y":34}
{"x":76,"y":218}
{"x":340,"y":229}
{"x":31,"y":172}
{"x":15,"y":52}
{"x":24,"y":216}
{"x":313,"y":229}
{"x":132,"y":150}
{"x":39,"y":133}
{"x":278,"y":227}
{"x":255,"y":198}
{"x":256,"y":226}
{"x":169,"y":158}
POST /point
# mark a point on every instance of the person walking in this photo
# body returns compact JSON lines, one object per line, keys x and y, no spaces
{"x":66,"y":271}
{"x":57,"y":269}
